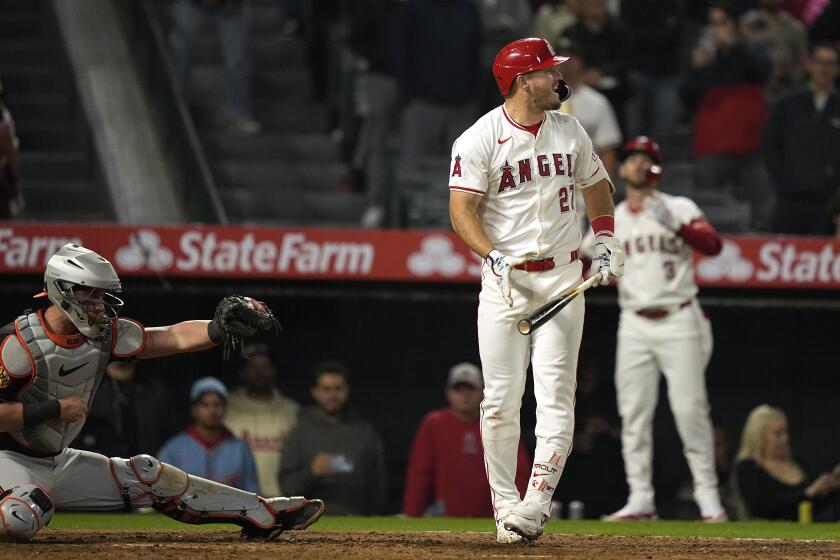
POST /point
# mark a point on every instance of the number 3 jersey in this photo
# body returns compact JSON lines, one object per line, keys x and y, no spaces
{"x":659,"y":269}
{"x":527,"y":178}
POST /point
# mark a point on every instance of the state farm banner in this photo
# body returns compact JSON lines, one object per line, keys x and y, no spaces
{"x":365,"y":255}
{"x":212,"y":251}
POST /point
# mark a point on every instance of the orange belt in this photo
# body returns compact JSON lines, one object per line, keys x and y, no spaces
{"x":541,"y":265}
{"x":660,"y":312}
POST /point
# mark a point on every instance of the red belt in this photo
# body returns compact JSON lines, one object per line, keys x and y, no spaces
{"x":660,"y":312}
{"x":541,"y":265}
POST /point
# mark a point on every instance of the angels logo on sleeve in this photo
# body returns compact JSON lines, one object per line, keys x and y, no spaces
{"x":456,"y":169}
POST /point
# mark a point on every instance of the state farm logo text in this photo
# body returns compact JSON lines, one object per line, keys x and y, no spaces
{"x":773,"y":262}
{"x":206,"y":252}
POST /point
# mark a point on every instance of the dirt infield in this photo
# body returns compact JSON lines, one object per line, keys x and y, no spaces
{"x":63,"y":544}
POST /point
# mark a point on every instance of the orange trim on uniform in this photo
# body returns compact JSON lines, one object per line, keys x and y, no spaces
{"x":116,"y":335}
{"x":63,"y":340}
{"x":25,"y":347}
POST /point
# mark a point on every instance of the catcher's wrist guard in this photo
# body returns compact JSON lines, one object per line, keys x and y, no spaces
{"x":36,"y":412}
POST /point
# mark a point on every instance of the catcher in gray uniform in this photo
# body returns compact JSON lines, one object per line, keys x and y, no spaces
{"x":51,"y":363}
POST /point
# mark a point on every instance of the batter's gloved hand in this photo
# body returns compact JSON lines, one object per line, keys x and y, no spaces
{"x":608,"y":258}
{"x":656,"y":206}
{"x":501,"y":265}
{"x":238,"y":318}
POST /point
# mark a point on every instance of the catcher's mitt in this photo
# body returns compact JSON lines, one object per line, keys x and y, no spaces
{"x":237,"y":318}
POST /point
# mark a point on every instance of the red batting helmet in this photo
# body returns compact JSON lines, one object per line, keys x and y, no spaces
{"x":645,"y":145}
{"x":521,"y":57}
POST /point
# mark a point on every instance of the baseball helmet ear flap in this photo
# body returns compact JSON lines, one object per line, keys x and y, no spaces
{"x":521,"y":57}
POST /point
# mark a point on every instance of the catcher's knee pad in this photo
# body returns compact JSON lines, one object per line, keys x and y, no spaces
{"x":145,"y":481}
{"x":24,"y":509}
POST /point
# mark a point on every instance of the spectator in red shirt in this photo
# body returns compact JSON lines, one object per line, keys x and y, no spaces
{"x":446,"y":473}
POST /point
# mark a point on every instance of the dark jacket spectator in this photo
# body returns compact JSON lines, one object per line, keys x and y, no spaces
{"x":129,"y":415}
{"x":604,"y":40}
{"x":333,"y":454}
{"x":801,"y":148}
{"x":438,"y":51}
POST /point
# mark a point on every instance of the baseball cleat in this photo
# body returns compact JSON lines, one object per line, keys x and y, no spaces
{"x":505,"y":536}
{"x":718,"y":518}
{"x":632,"y":513}
{"x":299,"y":513}
{"x":526,"y":519}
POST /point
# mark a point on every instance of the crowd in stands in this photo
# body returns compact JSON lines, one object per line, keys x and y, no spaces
{"x":722,"y":73}
{"x":743,"y":93}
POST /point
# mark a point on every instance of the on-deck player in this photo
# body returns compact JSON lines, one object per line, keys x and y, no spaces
{"x":51,"y":362}
{"x":512,"y":181}
{"x":662,"y":328}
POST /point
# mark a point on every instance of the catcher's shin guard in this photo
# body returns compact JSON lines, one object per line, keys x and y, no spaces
{"x":145,"y":481}
{"x":24,"y":510}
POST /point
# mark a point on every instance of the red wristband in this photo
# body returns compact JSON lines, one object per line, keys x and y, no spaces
{"x":604,"y":225}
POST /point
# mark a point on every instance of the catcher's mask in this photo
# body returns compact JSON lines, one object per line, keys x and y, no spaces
{"x":82,"y":284}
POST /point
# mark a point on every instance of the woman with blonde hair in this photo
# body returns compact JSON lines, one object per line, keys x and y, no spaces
{"x":769,"y":483}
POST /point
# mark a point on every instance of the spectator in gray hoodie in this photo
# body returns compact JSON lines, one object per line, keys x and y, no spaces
{"x":332,"y":450}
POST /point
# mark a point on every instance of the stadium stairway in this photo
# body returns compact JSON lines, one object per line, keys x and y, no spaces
{"x":59,"y":172}
{"x":290,"y":173}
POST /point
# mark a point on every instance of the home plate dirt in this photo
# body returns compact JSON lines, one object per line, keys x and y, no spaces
{"x":218,"y":545}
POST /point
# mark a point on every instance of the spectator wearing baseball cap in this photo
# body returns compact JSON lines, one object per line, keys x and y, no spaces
{"x":207,"y":448}
{"x":446,"y":465}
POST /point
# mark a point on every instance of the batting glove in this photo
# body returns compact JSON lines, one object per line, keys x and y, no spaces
{"x":608,"y":258}
{"x":501,"y":265}
{"x":656,"y":206}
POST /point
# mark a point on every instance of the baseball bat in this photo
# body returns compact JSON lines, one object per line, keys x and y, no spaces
{"x":539,"y":317}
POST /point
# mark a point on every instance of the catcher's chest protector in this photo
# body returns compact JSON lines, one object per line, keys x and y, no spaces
{"x":59,"y":372}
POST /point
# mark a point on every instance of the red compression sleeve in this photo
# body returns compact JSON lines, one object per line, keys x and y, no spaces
{"x":604,"y":225}
{"x":701,"y":236}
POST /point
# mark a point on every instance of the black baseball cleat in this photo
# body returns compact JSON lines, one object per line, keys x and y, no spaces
{"x":296,"y":514}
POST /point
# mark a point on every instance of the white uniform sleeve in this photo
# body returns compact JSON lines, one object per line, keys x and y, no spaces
{"x":468,"y":167}
{"x":588,"y":167}
{"x":607,"y":134}
{"x":686,"y":210}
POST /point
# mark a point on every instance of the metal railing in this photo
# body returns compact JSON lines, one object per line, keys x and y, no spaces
{"x":197,"y":189}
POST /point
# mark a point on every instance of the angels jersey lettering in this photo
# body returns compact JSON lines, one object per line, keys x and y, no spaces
{"x":527,"y":181}
{"x":658,"y":268}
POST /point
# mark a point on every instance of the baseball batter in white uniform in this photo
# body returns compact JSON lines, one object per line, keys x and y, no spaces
{"x":51,"y":363}
{"x":512,"y":181}
{"x":662,"y":328}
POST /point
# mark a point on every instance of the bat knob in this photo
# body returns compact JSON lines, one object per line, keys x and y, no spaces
{"x":524,"y":326}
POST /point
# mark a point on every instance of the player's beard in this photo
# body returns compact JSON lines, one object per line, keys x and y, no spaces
{"x":549,"y":102}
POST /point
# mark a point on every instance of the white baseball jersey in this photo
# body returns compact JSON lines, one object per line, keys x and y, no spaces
{"x":528,"y":182}
{"x":659,"y":270}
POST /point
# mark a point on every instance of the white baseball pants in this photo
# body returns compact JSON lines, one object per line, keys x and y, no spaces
{"x":679,"y":346}
{"x":553,"y":352}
